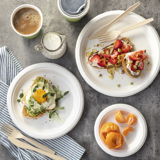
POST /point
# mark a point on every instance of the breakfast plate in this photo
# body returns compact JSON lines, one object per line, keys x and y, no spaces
{"x":43,"y":127}
{"x":133,"y":141}
{"x":144,"y":37}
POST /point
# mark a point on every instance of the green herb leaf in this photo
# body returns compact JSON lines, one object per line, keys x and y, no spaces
{"x":43,"y":87}
{"x":39,"y":103}
{"x":59,"y":92}
{"x":44,"y":81}
{"x":52,"y":94}
{"x":41,"y":108}
{"x":34,"y":89}
{"x":32,"y":103}
{"x":36,"y":86}
{"x":65,"y":93}
{"x":35,"y":112}
{"x":45,"y":95}
{"x":54,"y":88}
{"x":29,"y":108}
{"x":18,"y":100}
{"x":21,"y":95}
{"x":49,"y":99}
{"x":57,"y":99}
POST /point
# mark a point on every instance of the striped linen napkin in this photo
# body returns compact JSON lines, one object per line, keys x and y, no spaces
{"x":63,"y":146}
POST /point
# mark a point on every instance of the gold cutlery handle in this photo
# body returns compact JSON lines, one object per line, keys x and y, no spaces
{"x":39,"y":145}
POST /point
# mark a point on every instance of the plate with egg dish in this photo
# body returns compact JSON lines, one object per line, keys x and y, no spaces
{"x":120,"y":130}
{"x":124,"y":66}
{"x":42,"y":102}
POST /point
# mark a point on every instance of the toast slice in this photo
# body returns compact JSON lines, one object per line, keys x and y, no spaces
{"x":25,"y":114}
{"x":119,"y":64}
{"x":24,"y":110}
{"x":127,"y":71}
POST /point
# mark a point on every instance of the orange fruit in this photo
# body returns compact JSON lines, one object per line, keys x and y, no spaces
{"x":127,"y":130}
{"x":119,"y":117}
{"x":114,"y":140}
{"x":131,"y":119}
{"x":108,"y":127}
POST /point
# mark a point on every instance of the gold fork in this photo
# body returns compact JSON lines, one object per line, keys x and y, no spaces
{"x":13,"y":132}
{"x":109,"y":36}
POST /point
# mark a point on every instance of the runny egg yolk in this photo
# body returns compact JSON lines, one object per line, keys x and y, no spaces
{"x":38,"y":96}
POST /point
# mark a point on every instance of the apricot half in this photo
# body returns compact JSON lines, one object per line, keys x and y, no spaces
{"x":131,"y":119}
{"x":127,"y":130}
{"x":119,"y":117}
{"x":114,"y":140}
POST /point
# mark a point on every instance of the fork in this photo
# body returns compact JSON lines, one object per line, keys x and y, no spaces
{"x":15,"y":133}
{"x":109,"y":36}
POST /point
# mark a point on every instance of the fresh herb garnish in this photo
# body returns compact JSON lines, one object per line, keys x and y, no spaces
{"x":36,"y":86}
{"x":36,"y":112}
{"x":32,"y":103}
{"x":21,"y":96}
{"x":43,"y":87}
{"x":54,"y":88}
{"x":34,"y":89}
{"x":59,"y":93}
{"x":45,"y":95}
{"x":65,"y":93}
{"x":61,"y":96}
{"x":54,"y":110}
{"x":29,"y":108}
{"x":41,"y":108}
{"x":49,"y":99}
{"x":52,"y":94}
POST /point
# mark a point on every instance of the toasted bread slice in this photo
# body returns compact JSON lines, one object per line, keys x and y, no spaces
{"x":127,"y":71}
{"x":25,"y":114}
{"x":125,"y":39}
{"x":24,"y":111}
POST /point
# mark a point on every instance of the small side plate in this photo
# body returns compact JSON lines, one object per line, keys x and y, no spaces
{"x":133,"y":141}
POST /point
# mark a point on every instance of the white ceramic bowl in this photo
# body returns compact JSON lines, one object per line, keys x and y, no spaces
{"x":43,"y":127}
{"x":133,"y":141}
{"x":73,"y":18}
{"x":33,"y":35}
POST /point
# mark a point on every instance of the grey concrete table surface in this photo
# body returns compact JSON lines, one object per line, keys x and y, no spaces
{"x":147,"y":101}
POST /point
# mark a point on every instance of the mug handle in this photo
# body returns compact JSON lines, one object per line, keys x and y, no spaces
{"x":37,"y":48}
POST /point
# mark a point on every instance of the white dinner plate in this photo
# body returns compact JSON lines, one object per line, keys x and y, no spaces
{"x":144,"y":37}
{"x":43,"y":127}
{"x":133,"y":141}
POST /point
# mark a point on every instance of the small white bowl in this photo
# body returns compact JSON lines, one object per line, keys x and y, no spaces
{"x":33,"y":35}
{"x":73,"y":18}
{"x":133,"y":141}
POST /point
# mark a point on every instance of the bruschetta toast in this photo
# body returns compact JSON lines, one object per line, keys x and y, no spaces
{"x":133,"y":63}
{"x":110,"y":56}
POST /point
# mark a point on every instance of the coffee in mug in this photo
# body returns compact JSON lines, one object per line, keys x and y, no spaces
{"x":27,"y":21}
